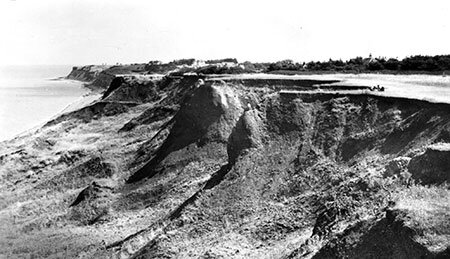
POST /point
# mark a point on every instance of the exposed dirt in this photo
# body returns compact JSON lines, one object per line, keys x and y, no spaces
{"x":433,"y":166}
{"x":383,"y":238}
{"x":195,"y":167}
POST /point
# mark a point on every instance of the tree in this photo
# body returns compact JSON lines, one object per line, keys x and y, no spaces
{"x":392,"y":64}
{"x":375,"y":66}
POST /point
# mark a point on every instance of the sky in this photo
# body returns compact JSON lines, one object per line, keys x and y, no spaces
{"x":80,"y":32}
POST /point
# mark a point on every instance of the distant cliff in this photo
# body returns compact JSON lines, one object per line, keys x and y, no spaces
{"x":101,"y":76}
{"x":86,"y":73}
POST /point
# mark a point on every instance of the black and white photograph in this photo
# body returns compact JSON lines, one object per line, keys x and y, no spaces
{"x":225,"y":129}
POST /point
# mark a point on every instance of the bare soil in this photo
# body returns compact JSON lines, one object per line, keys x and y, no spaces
{"x":226,"y":167}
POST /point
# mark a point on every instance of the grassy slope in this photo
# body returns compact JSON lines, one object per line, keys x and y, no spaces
{"x":36,"y":220}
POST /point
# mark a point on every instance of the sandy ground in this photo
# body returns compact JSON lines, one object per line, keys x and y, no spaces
{"x":80,"y":103}
{"x":431,"y":88}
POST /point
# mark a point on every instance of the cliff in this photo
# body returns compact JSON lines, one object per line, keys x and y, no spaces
{"x":86,"y":73}
{"x":101,"y":76}
{"x":209,"y":166}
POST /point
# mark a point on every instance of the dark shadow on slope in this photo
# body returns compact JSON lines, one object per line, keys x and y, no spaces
{"x":192,"y":122}
{"x":386,"y":238}
{"x":115,"y":84}
{"x":353,"y":146}
{"x":175,"y":141}
{"x":151,"y":115}
{"x":245,"y":135}
{"x":432,"y":166}
{"x":415,"y":125}
{"x":149,"y":149}
{"x":215,"y":179}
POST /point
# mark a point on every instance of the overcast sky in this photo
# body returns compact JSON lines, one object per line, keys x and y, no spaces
{"x":91,"y":32}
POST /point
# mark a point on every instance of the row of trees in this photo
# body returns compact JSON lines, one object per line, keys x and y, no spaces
{"x":359,"y":64}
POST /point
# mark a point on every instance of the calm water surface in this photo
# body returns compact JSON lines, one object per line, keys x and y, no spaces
{"x":29,"y":96}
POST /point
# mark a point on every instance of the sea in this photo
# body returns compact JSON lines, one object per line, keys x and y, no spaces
{"x":32,"y":95}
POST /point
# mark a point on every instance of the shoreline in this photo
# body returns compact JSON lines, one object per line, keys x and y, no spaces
{"x":86,"y":98}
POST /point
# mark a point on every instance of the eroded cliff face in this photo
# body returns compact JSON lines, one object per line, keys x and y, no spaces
{"x":299,"y":167}
{"x":86,"y":73}
{"x":99,"y":77}
{"x":433,"y":165}
{"x":193,"y":167}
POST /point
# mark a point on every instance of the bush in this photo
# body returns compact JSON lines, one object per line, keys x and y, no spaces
{"x":227,"y":60}
{"x":392,"y":64}
{"x":375,"y":66}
